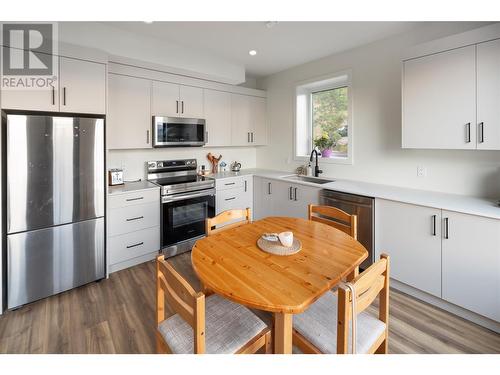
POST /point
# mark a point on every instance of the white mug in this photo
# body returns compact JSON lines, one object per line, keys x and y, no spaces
{"x":286,"y":238}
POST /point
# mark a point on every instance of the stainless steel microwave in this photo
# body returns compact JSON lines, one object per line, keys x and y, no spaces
{"x":176,"y":131}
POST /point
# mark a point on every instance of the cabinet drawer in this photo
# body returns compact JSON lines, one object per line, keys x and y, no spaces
{"x":137,"y":217}
{"x":229,"y":183}
{"x":135,"y":244}
{"x":134,"y":198}
{"x":233,"y":199}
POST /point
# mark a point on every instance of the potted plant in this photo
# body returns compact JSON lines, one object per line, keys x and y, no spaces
{"x":324,"y":143}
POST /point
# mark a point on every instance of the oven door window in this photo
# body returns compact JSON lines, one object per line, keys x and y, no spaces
{"x":183,"y":220}
{"x":179,"y":133}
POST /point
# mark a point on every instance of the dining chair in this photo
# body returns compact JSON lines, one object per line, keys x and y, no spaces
{"x":228,"y":217}
{"x":339,"y":219}
{"x":336,"y":218}
{"x":338,"y":323}
{"x":203,"y":325}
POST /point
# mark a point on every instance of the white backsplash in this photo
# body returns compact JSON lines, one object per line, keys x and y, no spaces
{"x":133,"y":161}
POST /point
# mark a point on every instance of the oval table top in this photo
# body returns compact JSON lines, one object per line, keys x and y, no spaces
{"x":231,"y":264}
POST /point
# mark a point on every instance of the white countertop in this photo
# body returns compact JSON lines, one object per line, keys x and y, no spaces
{"x":129,"y":187}
{"x":452,"y":202}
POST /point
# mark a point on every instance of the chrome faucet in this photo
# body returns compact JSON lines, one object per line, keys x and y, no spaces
{"x":317,"y":171}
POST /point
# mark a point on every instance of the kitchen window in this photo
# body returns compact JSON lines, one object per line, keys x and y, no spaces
{"x":324,"y":119}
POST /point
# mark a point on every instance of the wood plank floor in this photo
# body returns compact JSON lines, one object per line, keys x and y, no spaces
{"x":117,"y":316}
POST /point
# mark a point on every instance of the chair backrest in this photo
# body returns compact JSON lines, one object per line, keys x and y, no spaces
{"x":372,"y":282}
{"x":182,"y":299}
{"x":225,"y":217}
{"x":336,"y":218}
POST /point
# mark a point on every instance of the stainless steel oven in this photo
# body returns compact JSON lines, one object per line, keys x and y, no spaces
{"x":184,"y":215}
{"x":176,"y":131}
{"x":187,"y":200}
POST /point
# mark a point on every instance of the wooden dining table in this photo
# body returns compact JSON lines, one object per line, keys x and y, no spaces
{"x":231,"y":264}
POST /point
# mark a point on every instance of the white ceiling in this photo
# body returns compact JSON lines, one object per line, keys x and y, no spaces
{"x":280,"y":47}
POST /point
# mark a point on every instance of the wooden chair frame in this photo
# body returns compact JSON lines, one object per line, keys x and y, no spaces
{"x":181,"y":297}
{"x":334,"y":217}
{"x":373,"y":282}
{"x":225,"y":217}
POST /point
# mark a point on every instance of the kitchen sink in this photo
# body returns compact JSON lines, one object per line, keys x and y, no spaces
{"x":313,"y":180}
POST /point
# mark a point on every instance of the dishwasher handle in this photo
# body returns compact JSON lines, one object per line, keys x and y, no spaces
{"x":349,"y":202}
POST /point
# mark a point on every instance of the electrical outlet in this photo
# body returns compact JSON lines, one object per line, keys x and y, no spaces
{"x":421,"y":171}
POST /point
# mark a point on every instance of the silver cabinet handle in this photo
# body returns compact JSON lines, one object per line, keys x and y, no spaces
{"x":64,"y":95}
{"x":53,"y":95}
{"x":230,"y":199}
{"x":182,"y":106}
{"x":252,"y":136}
{"x":248,"y":137}
{"x":295,"y":193}
{"x":134,"y":199}
{"x":269,"y":188}
{"x":135,"y":245}
{"x":481,"y":132}
{"x":433,"y":218}
{"x":135,"y":218}
{"x":230,"y":183}
{"x":290,"y":193}
{"x":245,"y":186}
{"x":467,"y":130}
{"x":446,"y":228}
{"x":147,"y":137}
{"x":176,"y":106}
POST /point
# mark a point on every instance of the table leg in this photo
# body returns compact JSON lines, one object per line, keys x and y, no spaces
{"x":283,"y":333}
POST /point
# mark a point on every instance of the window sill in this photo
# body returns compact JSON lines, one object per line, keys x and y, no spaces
{"x":345,"y":161}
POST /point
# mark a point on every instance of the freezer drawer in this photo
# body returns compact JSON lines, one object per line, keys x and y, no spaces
{"x":48,"y":261}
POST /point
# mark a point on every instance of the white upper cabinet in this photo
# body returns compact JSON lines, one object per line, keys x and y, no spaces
{"x":165,"y":99}
{"x":129,"y":112}
{"x":488,"y":95}
{"x":471,"y":263}
{"x":241,"y":120}
{"x":259,"y":125}
{"x":191,"y":101}
{"x":81,"y":89}
{"x":411,"y":235}
{"x":82,"y":86}
{"x":217,"y":106}
{"x":439,"y":100}
{"x":248,"y":118}
{"x":174,"y":100}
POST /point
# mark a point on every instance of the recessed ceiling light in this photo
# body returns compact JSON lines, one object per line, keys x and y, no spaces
{"x":252,"y":52}
{"x":271,"y":24}
{"x":148,"y":21}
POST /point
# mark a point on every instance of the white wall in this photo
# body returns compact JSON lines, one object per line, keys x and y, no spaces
{"x":133,"y":161}
{"x":378,"y":157}
{"x":180,"y":59}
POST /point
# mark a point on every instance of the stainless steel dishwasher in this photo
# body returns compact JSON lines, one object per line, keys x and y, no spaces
{"x":355,"y":205}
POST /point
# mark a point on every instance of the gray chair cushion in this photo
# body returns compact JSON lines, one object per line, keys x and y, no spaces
{"x":318,"y":324}
{"x":228,"y":326}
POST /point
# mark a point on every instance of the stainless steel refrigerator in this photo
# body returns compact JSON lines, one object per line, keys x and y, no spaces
{"x":54,"y":195}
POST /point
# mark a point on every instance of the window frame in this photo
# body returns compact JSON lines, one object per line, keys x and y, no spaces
{"x":307,"y":88}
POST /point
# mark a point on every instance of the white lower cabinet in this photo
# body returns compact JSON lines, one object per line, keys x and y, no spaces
{"x":450,"y":255}
{"x":471,"y":263}
{"x":411,"y":235}
{"x":133,"y":228}
{"x":234,"y":193}
{"x":281,"y":198}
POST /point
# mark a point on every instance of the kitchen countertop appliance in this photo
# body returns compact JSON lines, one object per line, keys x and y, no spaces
{"x":235,"y":166}
{"x":187,"y":200}
{"x":355,"y":205}
{"x":54,"y":228}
